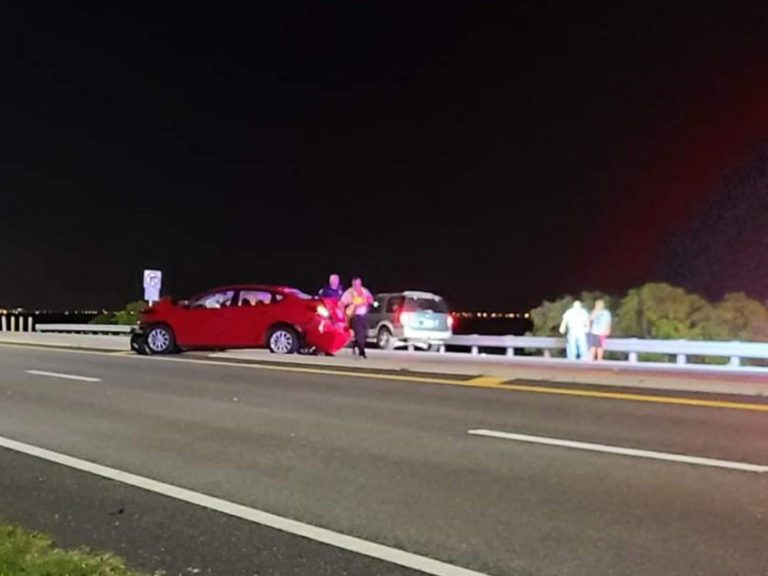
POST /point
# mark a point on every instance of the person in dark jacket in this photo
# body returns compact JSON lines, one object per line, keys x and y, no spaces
{"x":333,"y":290}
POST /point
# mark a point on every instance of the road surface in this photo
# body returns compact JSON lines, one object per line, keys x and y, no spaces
{"x":627,"y":482}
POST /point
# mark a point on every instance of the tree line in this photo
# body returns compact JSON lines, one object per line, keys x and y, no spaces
{"x":127,"y":316}
{"x":662,"y":311}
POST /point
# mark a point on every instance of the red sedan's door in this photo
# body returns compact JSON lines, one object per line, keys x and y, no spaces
{"x":252,"y":318}
{"x":206,"y":321}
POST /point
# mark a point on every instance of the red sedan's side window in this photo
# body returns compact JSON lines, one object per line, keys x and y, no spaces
{"x":214,"y":300}
{"x":255,"y":297}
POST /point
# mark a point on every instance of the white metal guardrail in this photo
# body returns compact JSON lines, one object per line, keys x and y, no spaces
{"x":85,"y":328}
{"x":682,"y":351}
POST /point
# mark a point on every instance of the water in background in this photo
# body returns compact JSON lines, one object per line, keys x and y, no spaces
{"x":49,"y":318}
{"x":492,"y":326}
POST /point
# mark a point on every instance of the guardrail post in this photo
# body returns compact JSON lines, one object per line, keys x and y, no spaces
{"x":510,"y":351}
{"x":475,"y":350}
{"x":410,"y":347}
{"x":30,"y":324}
{"x":681,"y":358}
{"x":632,"y":357}
{"x":547,"y":353}
{"x":441,"y":349}
{"x":13,"y":323}
{"x":735,"y":361}
{"x":4,"y":323}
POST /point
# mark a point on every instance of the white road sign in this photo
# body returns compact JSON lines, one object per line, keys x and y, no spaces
{"x":153,"y":281}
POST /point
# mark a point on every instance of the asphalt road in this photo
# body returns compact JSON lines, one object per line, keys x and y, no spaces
{"x":387,"y":461}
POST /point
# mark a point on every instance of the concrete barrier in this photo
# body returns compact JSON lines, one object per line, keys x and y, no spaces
{"x":16,"y":323}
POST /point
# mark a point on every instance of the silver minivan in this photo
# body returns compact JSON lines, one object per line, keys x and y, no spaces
{"x":410,"y":317}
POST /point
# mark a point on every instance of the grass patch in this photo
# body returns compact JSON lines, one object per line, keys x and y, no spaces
{"x":34,"y":554}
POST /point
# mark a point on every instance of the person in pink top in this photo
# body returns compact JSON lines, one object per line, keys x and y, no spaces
{"x":356,"y":302}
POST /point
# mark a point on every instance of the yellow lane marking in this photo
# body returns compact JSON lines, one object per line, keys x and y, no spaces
{"x":497,"y":384}
{"x":485,"y":382}
{"x":478,"y":382}
{"x":637,"y":397}
{"x":322,"y":371}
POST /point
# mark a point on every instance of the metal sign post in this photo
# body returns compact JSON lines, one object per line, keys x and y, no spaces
{"x":153,"y":281}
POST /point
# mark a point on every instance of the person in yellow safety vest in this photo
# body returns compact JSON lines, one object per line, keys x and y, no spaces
{"x":356,"y":301}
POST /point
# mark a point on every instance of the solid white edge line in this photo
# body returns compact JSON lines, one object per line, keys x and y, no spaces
{"x":63,"y":376}
{"x":323,"y":535}
{"x":697,"y":460}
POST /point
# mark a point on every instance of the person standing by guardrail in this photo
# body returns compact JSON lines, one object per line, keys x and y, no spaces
{"x":356,"y":302}
{"x":600,"y":328}
{"x":575,"y":326}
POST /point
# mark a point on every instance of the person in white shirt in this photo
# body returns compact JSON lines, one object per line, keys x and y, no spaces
{"x":575,"y":326}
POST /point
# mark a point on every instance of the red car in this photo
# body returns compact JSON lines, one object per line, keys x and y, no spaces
{"x":282,"y":319}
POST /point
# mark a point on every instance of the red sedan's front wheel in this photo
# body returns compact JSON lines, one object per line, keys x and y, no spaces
{"x":160,"y":340}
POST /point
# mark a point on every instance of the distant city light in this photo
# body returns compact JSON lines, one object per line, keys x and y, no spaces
{"x":490,"y":315}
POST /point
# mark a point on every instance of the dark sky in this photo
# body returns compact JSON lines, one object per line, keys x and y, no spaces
{"x":498,"y":153}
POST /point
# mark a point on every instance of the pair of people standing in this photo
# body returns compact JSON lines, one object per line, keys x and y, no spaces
{"x":585,"y":333}
{"x":355,"y":301}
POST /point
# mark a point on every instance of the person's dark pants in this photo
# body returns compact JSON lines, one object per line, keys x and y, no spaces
{"x":359,"y":328}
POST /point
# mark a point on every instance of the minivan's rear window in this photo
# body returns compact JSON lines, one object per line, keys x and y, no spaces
{"x":425,"y":304}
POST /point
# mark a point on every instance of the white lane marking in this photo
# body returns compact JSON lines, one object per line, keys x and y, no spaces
{"x":63,"y":376}
{"x":697,"y":460}
{"x":323,"y":535}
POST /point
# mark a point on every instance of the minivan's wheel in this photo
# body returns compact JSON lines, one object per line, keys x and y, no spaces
{"x":384,"y":339}
{"x":283,"y":340}
{"x":160,"y":340}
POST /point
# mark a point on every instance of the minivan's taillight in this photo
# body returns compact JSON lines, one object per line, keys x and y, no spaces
{"x":451,"y":320}
{"x":404,"y":318}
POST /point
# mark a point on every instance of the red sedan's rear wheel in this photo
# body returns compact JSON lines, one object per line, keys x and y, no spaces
{"x":283,"y":340}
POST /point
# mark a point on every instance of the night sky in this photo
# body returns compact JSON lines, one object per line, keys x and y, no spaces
{"x":498,"y":153}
